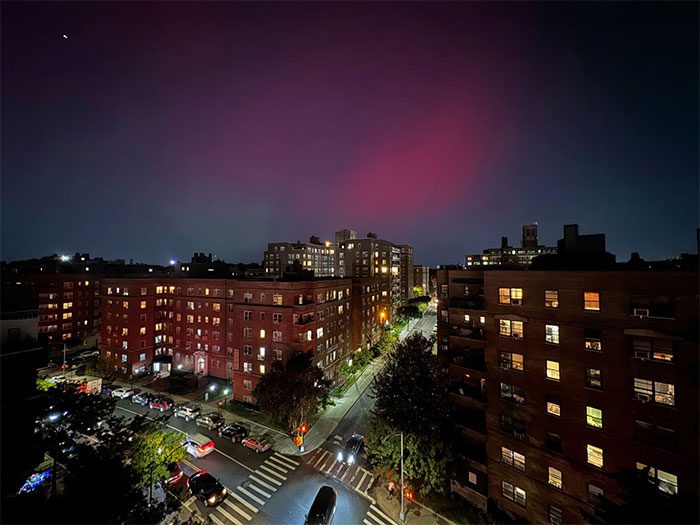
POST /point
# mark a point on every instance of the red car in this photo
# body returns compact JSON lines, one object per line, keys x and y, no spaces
{"x":162,"y":403}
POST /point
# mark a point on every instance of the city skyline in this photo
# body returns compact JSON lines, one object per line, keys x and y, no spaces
{"x":232,"y":123}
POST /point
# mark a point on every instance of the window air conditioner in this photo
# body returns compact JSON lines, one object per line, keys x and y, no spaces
{"x":641,"y":312}
{"x":516,"y":302}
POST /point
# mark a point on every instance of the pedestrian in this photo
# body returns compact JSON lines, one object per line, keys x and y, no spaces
{"x":392,"y":489}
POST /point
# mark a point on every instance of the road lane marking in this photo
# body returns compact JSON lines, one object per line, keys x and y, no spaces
{"x":216,"y":520}
{"x":292,"y":462}
{"x":359,"y":483}
{"x":380,"y":513}
{"x":231,"y":518}
{"x":185,"y":433}
{"x":259,"y":490}
{"x":322,"y":458}
{"x":347,"y":471}
{"x":270,"y":471}
{"x":244,"y":502}
{"x":335,"y":462}
{"x":266,"y":485}
{"x":272,"y":480}
{"x":323,"y":465}
{"x":251,"y":495}
{"x":191,"y":465}
{"x":278,"y":464}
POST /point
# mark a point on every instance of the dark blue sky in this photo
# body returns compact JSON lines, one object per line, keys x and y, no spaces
{"x":156,"y":130}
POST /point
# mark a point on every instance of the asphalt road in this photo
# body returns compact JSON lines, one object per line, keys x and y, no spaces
{"x":270,"y":488}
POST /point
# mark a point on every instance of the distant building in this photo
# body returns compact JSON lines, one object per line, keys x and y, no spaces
{"x":421,"y":278}
{"x":314,"y":255}
{"x":406,"y":272}
{"x":510,"y":256}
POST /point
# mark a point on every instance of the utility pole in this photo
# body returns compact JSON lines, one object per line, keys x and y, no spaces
{"x":64,"y":359}
{"x":402,"y":514}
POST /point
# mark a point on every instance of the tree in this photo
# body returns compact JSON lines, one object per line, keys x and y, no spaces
{"x":412,"y":397}
{"x":288,"y":391}
{"x":152,"y":450}
{"x":411,"y":311}
{"x":44,"y":384}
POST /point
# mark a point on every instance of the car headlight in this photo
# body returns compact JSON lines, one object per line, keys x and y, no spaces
{"x":224,"y":491}
{"x":351,"y":459}
{"x":212,"y":499}
{"x":340,"y":456}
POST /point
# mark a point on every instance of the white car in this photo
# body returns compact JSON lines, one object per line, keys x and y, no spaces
{"x":122,"y":392}
{"x":198,"y":445}
{"x":187,"y":412}
{"x":85,"y":354}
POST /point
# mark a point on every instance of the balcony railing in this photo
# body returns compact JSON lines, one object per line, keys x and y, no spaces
{"x":305,"y":320}
{"x":474,"y":361}
{"x":470,"y":333}
{"x":472,"y":303}
{"x":468,"y":390}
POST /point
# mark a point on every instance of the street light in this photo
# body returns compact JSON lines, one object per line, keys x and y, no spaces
{"x":212,"y":388}
{"x":402,"y":514}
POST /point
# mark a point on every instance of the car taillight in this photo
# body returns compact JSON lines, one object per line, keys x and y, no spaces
{"x":206,"y":447}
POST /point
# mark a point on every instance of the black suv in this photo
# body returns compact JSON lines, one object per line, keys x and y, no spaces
{"x":234,"y":431}
{"x":323,"y":507}
{"x":142,"y":398}
{"x":352,"y":449}
{"x":207,"y":488}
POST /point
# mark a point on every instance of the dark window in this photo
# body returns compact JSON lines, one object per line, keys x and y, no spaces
{"x":512,"y":393}
{"x":513,"y":426}
{"x":554,"y":442}
{"x":593,"y":340}
{"x":555,"y":516}
{"x":594,"y":378}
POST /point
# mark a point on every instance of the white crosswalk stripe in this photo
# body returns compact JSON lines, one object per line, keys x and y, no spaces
{"x":271,"y":480}
{"x":377,"y":517}
{"x":251,"y":495}
{"x":217,"y":520}
{"x":266,"y":485}
{"x":244,"y":502}
{"x":260,"y":491}
{"x":272,"y":472}
{"x":359,"y":483}
{"x":292,"y":463}
{"x":321,"y":458}
{"x":277,"y":466}
{"x":330,"y":469}
{"x":227,"y":514}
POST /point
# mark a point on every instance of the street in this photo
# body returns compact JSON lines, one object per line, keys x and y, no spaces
{"x":273,"y":488}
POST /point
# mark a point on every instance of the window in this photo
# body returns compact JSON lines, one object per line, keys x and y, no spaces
{"x":551,"y":298}
{"x":216,"y":307}
{"x":512,"y":458}
{"x":665,"y":481}
{"x":216,"y":321}
{"x":555,"y":516}
{"x":512,"y":393}
{"x":277,"y":336}
{"x":277,"y":299}
{"x":594,"y":378}
{"x":247,"y":349}
{"x":277,"y":354}
{"x":514,"y":493}
{"x":511,"y":361}
{"x":319,"y":332}
{"x":482,"y":319}
{"x":553,"y":370}
{"x":594,"y":456}
{"x":142,"y":330}
{"x":593,"y":340}
{"x":247,"y":399}
{"x":504,"y":327}
{"x":262,"y":333}
{"x":142,"y":357}
{"x":508,"y":328}
{"x":504,"y":295}
{"x":554,"y":477}
{"x":143,"y":305}
{"x":663,"y":350}
{"x":247,"y":315}
{"x":643,"y":389}
{"x":591,"y":301}
{"x":551,"y":334}
{"x":594,"y":417}
{"x":247,"y":332}
{"x":664,"y":393}
{"x":247,"y":297}
{"x":124,"y":358}
{"x":276,"y":318}
{"x":262,"y":369}
{"x":595,"y":493}
{"x":247,"y":385}
{"x":68,"y":306}
{"x":553,"y":442}
{"x":262,"y":316}
{"x":553,"y":406}
{"x":261,"y":354}
{"x":517,"y":327}
{"x":248,"y":367}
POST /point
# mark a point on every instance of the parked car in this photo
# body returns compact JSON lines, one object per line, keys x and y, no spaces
{"x":323,"y":507}
{"x":187,"y":411}
{"x":210,"y":421}
{"x":234,"y":431}
{"x":161,"y":403}
{"x":86,"y":354}
{"x":143,"y":399}
{"x":256,"y":443}
{"x":122,"y":392}
{"x":174,"y":475}
{"x":58,"y":379}
{"x":198,"y":445}
{"x":207,"y":488}
{"x":352,"y":449}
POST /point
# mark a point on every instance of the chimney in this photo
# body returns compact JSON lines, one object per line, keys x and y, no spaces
{"x":504,"y":243}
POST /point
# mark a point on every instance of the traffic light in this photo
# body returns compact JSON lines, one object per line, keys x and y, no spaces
{"x":298,"y":441}
{"x":409,"y":494}
{"x":303,"y":428}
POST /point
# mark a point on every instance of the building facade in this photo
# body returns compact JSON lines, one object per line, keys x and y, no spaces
{"x":368,"y":316}
{"x":511,"y":256}
{"x":582,"y":377}
{"x":313,"y":255}
{"x":421,"y":278}
{"x":406,"y":272}
{"x":229,"y":329}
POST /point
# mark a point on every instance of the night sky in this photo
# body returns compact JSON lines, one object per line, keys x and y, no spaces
{"x":157,"y":130}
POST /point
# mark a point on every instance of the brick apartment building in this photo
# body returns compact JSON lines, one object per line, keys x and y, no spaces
{"x":368,"y":315}
{"x":561,"y":378}
{"x":421,"y":278}
{"x":314,"y":255}
{"x":230,"y":329}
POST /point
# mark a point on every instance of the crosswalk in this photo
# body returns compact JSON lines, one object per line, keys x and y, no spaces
{"x":355,"y":477}
{"x":246,"y":499}
{"x":375,"y":516}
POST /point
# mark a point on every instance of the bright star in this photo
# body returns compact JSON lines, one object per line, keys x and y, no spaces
{"x":65,"y":36}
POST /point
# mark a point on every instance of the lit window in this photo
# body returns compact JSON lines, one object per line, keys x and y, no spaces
{"x":504,"y":327}
{"x":248,"y":367}
{"x":643,"y":389}
{"x":142,"y":330}
{"x":663,"y":350}
{"x":504,"y":295}
{"x":143,"y":305}
{"x":664,"y":393}
{"x":482,"y":319}
{"x":554,"y":477}
{"x":667,"y":482}
{"x":594,"y":378}
{"x":466,"y":317}
{"x":67,"y":306}
{"x":512,"y":458}
{"x":512,"y":393}
{"x":262,"y":333}
{"x":262,"y":369}
{"x":124,"y":357}
{"x":512,"y":361}
{"x":591,"y":301}
{"x":261,"y":353}
{"x":517,"y":328}
{"x":594,"y":456}
{"x":553,"y":408}
{"x":553,"y":370}
{"x":551,"y":334}
{"x":142,"y":357}
{"x":551,"y":298}
{"x":319,"y":332}
{"x":594,"y":417}
{"x":593,"y":340}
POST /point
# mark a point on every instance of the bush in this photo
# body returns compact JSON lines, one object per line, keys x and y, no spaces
{"x":182,"y":382}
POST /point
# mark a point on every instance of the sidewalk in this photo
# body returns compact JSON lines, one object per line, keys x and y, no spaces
{"x":415,"y":512}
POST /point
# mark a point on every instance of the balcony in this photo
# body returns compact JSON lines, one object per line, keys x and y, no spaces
{"x":304,"y":319}
{"x":473,"y":361}
{"x":472,"y":303}
{"x":465,"y":390}
{"x":473,"y":420}
{"x":475,"y":333}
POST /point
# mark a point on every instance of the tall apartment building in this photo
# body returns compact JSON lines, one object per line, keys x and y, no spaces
{"x":421,"y":278}
{"x":406,"y":272}
{"x":562,"y":378}
{"x":368,"y":316}
{"x":511,"y":256}
{"x":230,"y":329}
{"x":314,"y":255}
